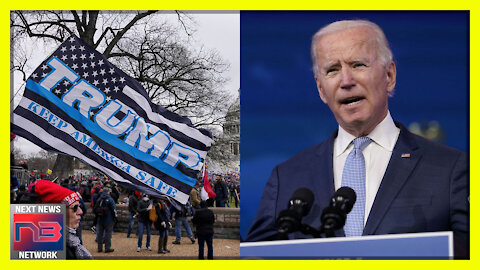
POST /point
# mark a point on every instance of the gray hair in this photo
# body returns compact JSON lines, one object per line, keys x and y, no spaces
{"x":383,"y":50}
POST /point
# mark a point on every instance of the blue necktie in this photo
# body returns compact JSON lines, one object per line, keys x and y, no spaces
{"x":354,"y":177}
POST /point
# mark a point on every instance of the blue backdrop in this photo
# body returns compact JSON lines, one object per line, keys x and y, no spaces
{"x":282,"y":114}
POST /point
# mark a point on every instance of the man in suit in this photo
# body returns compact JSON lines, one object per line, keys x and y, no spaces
{"x":408,"y":184}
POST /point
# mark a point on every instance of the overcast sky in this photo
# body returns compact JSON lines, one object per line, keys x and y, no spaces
{"x":215,"y":30}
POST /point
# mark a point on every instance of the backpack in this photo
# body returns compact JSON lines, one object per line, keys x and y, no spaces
{"x":100,"y":208}
{"x":152,"y":215}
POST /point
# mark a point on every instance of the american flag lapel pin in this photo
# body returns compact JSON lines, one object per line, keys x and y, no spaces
{"x":405,"y":155}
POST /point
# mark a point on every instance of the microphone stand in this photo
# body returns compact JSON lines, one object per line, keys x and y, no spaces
{"x":281,"y":235}
{"x":317,"y":233}
{"x":307,"y":229}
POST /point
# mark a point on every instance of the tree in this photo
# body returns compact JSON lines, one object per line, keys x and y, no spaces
{"x":181,"y":80}
{"x":42,"y":161}
{"x":16,"y":156}
{"x":175,"y":76}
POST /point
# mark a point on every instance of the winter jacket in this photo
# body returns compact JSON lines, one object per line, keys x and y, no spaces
{"x":163,"y":215}
{"x":203,"y":220}
{"x":143,"y":211}
{"x":111,"y":214}
{"x":132,"y":203}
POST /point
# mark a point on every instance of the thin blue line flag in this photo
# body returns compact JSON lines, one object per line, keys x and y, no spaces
{"x":79,"y":104}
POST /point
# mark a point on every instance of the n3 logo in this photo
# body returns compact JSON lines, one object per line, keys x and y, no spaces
{"x":38,"y":232}
{"x":44,"y":232}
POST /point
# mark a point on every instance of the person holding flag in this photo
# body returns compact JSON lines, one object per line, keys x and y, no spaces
{"x":195,"y":198}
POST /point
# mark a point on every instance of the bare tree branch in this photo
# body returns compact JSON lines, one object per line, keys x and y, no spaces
{"x":29,"y":31}
{"x":102,"y":36}
{"x":120,"y":34}
{"x":180,"y":19}
{"x":90,"y":28}
{"x":79,"y":24}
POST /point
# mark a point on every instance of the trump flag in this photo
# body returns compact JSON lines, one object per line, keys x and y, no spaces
{"x":79,"y":104}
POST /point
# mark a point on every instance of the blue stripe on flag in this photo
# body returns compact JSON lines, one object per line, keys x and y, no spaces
{"x":44,"y":124}
{"x":108,"y":138}
{"x":102,"y":164}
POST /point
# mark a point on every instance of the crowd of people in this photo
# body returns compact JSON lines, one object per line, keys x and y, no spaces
{"x":226,"y":188}
{"x":148,"y":212}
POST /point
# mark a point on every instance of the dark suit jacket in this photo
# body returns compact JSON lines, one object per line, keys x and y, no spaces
{"x":425,"y":192}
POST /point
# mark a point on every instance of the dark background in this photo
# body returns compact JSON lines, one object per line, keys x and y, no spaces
{"x":282,"y":114}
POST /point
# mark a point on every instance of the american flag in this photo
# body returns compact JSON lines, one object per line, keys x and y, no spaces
{"x":78,"y":103}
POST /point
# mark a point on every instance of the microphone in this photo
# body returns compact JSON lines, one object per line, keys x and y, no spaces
{"x":334,"y":216}
{"x":289,"y":220}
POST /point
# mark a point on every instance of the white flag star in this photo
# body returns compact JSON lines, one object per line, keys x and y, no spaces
{"x":114,"y":80}
{"x":72,"y":39}
{"x":116,"y":89}
{"x":84,"y":65}
{"x":75,"y":66}
{"x":72,"y":48}
{"x":64,"y":57}
{"x":107,"y":90}
{"x":44,"y":74}
{"x":94,"y":73}
{"x":108,"y":98}
{"x":58,"y":91}
{"x":34,"y":75}
{"x":66,"y":83}
{"x":85,"y":74}
{"x":44,"y":67}
{"x":74,"y":57}
{"x":83,"y":56}
{"x":111,"y":71}
{"x":100,"y":62}
{"x":82,"y":48}
{"x":92,"y":55}
{"x":92,"y":64}
{"x":105,"y":81}
{"x":95,"y":82}
{"x":102,"y":72}
{"x":63,"y":49}
{"x":122,"y":80}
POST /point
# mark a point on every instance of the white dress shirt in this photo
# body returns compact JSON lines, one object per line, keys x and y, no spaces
{"x":377,"y":155}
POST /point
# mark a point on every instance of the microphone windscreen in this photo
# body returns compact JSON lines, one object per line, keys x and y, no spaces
{"x":303,"y":194}
{"x":347,"y":193}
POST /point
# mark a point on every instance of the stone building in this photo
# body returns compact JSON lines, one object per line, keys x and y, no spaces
{"x":231,"y":128}
{"x":225,"y":153}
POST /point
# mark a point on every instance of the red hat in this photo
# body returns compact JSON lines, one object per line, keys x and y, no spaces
{"x":50,"y":192}
{"x":42,"y":175}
